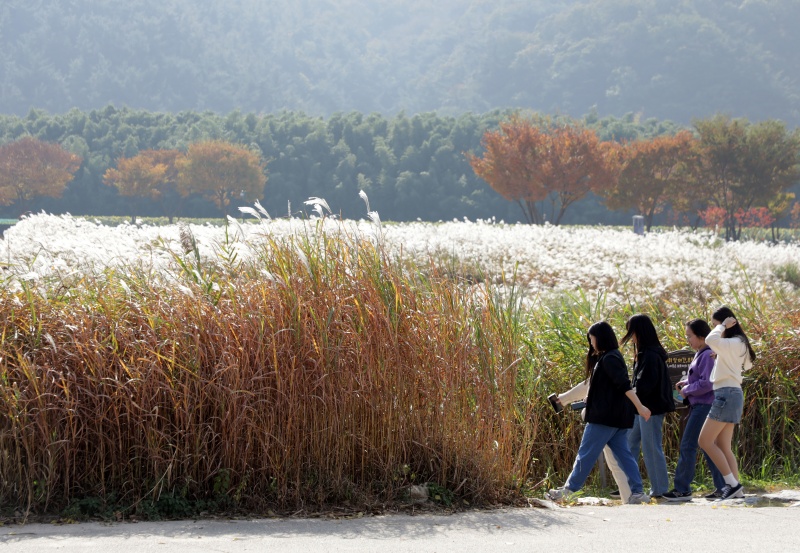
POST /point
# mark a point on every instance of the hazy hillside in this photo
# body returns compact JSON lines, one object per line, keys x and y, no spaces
{"x":671,"y":59}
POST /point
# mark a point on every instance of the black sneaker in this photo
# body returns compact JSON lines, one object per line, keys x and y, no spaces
{"x":675,"y":495}
{"x":716,"y":494}
{"x":730,"y":492}
{"x":615,"y":494}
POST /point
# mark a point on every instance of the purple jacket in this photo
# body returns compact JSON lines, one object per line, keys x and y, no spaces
{"x":699,"y":388}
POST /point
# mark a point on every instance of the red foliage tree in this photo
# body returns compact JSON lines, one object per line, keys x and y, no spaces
{"x":755,"y":217}
{"x":714,"y":216}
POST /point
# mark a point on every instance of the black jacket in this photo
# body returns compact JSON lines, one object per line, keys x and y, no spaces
{"x":606,"y":403}
{"x":651,"y":381}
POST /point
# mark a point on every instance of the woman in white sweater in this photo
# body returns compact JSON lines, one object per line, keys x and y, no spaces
{"x":733,"y":356}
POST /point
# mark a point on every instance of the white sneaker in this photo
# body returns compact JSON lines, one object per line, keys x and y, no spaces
{"x":560,"y":494}
{"x":638,"y":499}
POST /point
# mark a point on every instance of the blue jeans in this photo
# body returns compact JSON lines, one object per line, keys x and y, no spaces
{"x":647,"y":436}
{"x":595,"y":438}
{"x":684,"y":472}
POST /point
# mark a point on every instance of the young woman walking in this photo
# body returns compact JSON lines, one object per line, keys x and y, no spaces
{"x":610,"y":407}
{"x":579,"y":393}
{"x":698,"y":389}
{"x":653,"y":386}
{"x":734,"y":355}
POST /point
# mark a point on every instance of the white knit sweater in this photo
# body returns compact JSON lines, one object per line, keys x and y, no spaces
{"x":732,"y":358}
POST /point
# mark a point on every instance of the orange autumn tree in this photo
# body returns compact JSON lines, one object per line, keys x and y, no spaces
{"x":576,"y":162}
{"x":529,"y":163}
{"x":150,"y":174}
{"x":135,"y":177}
{"x":30,"y":168}
{"x":167,"y":193}
{"x":654,"y":173}
{"x":510,"y":164}
{"x":221,"y":172}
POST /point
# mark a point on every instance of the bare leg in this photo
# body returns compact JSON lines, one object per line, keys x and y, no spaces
{"x":709,"y":436}
{"x":723,"y":442}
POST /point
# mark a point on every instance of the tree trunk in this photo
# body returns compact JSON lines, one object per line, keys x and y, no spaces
{"x":530,"y":211}
{"x":560,"y":214}
{"x":776,"y":232}
{"x":651,"y":213}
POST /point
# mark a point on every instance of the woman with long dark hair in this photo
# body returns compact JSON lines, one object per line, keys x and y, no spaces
{"x":734,"y":355}
{"x":609,"y":414}
{"x":654,"y":388}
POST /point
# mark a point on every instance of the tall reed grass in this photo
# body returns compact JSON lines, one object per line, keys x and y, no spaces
{"x":323,"y":372}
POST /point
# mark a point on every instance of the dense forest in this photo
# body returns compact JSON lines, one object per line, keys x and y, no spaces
{"x":338,"y":96}
{"x":665,"y":59}
{"x":410,"y":166}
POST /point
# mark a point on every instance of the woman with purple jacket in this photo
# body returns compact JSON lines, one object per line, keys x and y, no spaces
{"x":697,"y":387}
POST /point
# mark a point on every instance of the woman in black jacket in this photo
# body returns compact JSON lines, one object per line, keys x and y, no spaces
{"x":654,"y":388}
{"x":609,"y":414}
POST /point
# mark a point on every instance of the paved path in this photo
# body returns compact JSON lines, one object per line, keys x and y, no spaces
{"x":696,"y":526}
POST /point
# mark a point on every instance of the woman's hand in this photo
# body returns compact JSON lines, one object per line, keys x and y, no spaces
{"x":729,"y":322}
{"x":643,"y":411}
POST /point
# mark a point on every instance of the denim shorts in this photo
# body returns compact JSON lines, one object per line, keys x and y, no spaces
{"x":728,"y":405}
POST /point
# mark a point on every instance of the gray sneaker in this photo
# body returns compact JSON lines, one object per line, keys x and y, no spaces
{"x":560,"y":494}
{"x":638,"y":499}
